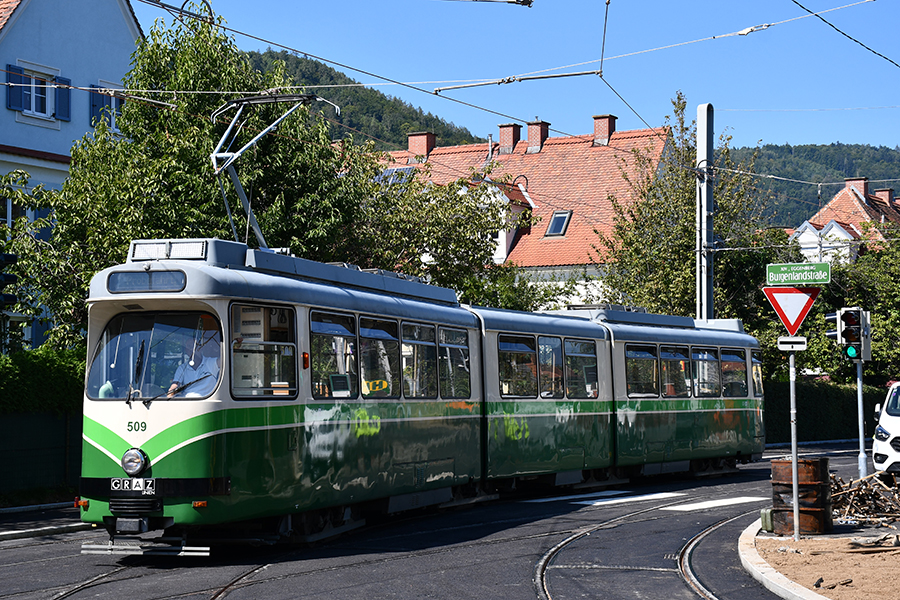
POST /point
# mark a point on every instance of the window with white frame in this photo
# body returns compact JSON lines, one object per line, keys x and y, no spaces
{"x":37,"y":91}
{"x":559,"y":222}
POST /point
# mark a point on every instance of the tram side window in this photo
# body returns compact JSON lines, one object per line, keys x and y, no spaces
{"x":333,"y":355}
{"x":550,"y":355}
{"x":675,"y":363}
{"x":581,"y":369}
{"x":517,"y":358}
{"x":419,"y":360}
{"x":641,"y":371}
{"x":453,"y":363}
{"x":734,"y":373}
{"x":705,"y":369}
{"x":379,"y":358}
{"x":263,"y":351}
{"x":756,"y":360}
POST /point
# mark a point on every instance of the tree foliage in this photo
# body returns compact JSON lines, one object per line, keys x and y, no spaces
{"x":152,"y":178}
{"x":649,"y":257}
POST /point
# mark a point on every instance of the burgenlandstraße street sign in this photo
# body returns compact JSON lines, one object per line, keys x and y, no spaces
{"x":795,"y":274}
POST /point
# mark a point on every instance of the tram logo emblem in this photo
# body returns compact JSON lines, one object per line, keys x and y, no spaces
{"x":147,"y":487}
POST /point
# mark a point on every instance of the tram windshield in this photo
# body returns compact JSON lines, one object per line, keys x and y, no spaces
{"x":157,"y":355}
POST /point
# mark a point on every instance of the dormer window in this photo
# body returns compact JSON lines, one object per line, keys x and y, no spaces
{"x":559,"y":223}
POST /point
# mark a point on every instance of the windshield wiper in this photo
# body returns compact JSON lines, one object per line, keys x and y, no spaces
{"x":138,"y":371}
{"x":176,"y":391}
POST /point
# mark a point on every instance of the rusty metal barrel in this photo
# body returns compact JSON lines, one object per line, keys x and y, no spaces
{"x":814,"y":496}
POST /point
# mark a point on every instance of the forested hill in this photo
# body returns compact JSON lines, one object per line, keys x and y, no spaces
{"x":792,"y":203}
{"x":384,"y":119}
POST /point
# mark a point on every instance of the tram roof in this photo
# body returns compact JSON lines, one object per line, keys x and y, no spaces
{"x":231,"y":255}
{"x":222,"y":268}
{"x":648,"y":327}
{"x":552,"y":323}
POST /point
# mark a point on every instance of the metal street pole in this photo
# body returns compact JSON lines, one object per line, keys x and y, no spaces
{"x":795,"y":477}
{"x":705,"y":205}
{"x":859,"y":409}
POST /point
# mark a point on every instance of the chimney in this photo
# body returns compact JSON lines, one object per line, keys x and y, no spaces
{"x":509,"y":137}
{"x":604,"y":127}
{"x":537,"y":135}
{"x":421,"y":144}
{"x":886,"y":196}
{"x":861,"y":184}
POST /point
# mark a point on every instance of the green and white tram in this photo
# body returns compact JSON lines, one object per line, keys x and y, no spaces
{"x":235,"y":394}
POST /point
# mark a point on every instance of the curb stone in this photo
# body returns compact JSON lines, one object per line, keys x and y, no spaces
{"x":763,"y":572}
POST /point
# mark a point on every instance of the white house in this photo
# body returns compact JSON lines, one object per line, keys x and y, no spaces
{"x":840,"y":228}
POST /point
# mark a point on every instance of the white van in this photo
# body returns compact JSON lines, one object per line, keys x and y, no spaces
{"x":886,"y":447}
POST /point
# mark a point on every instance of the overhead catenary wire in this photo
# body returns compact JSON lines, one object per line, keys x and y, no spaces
{"x":414,"y":87}
{"x":849,"y":37}
{"x":534,"y":75}
{"x":548,"y":200}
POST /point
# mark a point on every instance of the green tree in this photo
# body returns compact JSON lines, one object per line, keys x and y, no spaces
{"x":871,"y":282}
{"x":152,"y":178}
{"x":322,"y":199}
{"x":649,"y":257}
{"x":446,"y":234}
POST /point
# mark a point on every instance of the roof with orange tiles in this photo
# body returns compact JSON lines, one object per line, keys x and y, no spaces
{"x":853,"y":206}
{"x":7,"y":7}
{"x":568,"y":174}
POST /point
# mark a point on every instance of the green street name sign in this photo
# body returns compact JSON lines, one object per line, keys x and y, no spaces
{"x":798,"y":273}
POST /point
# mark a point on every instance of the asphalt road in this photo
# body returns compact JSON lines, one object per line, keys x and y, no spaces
{"x":622,"y":543}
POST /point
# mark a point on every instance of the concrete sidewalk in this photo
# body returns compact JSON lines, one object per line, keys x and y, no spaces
{"x":35,"y":521}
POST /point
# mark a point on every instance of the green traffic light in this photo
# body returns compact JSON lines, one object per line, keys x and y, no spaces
{"x":852,"y":352}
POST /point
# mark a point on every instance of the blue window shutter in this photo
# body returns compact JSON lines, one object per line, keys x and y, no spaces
{"x":64,"y":99}
{"x":96,"y":105}
{"x":15,"y":97}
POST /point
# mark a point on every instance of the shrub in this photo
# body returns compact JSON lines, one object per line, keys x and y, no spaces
{"x":44,"y":380}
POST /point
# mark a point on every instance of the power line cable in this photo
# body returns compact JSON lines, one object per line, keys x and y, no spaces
{"x":342,"y":65}
{"x":851,"y":38}
{"x":535,"y":74}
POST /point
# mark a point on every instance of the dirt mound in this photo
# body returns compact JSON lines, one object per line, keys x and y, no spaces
{"x":839,"y":568}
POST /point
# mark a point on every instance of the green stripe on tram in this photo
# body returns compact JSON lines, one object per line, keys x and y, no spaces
{"x":269,"y":417}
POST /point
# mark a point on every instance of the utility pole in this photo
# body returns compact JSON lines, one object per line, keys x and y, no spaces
{"x":705,"y":210}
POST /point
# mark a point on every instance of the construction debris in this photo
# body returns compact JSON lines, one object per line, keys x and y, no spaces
{"x":872,"y":500}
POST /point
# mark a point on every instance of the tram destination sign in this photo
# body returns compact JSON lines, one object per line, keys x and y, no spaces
{"x":794,"y":274}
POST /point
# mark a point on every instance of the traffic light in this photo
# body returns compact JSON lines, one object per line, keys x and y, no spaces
{"x":7,"y":279}
{"x":853,"y":334}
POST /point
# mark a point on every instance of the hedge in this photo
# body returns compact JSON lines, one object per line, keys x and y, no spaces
{"x":825,"y":411}
{"x":42,"y":381}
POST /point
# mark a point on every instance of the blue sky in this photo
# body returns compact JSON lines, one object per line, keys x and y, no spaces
{"x":797,"y":81}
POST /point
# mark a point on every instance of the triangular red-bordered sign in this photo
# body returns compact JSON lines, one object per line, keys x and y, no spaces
{"x":792,"y":304}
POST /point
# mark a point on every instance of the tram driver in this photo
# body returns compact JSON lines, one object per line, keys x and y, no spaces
{"x":197,"y":376}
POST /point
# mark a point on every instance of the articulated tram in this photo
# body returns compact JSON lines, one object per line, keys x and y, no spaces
{"x":238,"y":394}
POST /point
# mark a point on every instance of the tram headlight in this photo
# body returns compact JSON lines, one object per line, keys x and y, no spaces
{"x":134,"y":461}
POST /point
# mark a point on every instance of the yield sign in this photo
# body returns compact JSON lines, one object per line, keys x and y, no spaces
{"x":792,"y":304}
